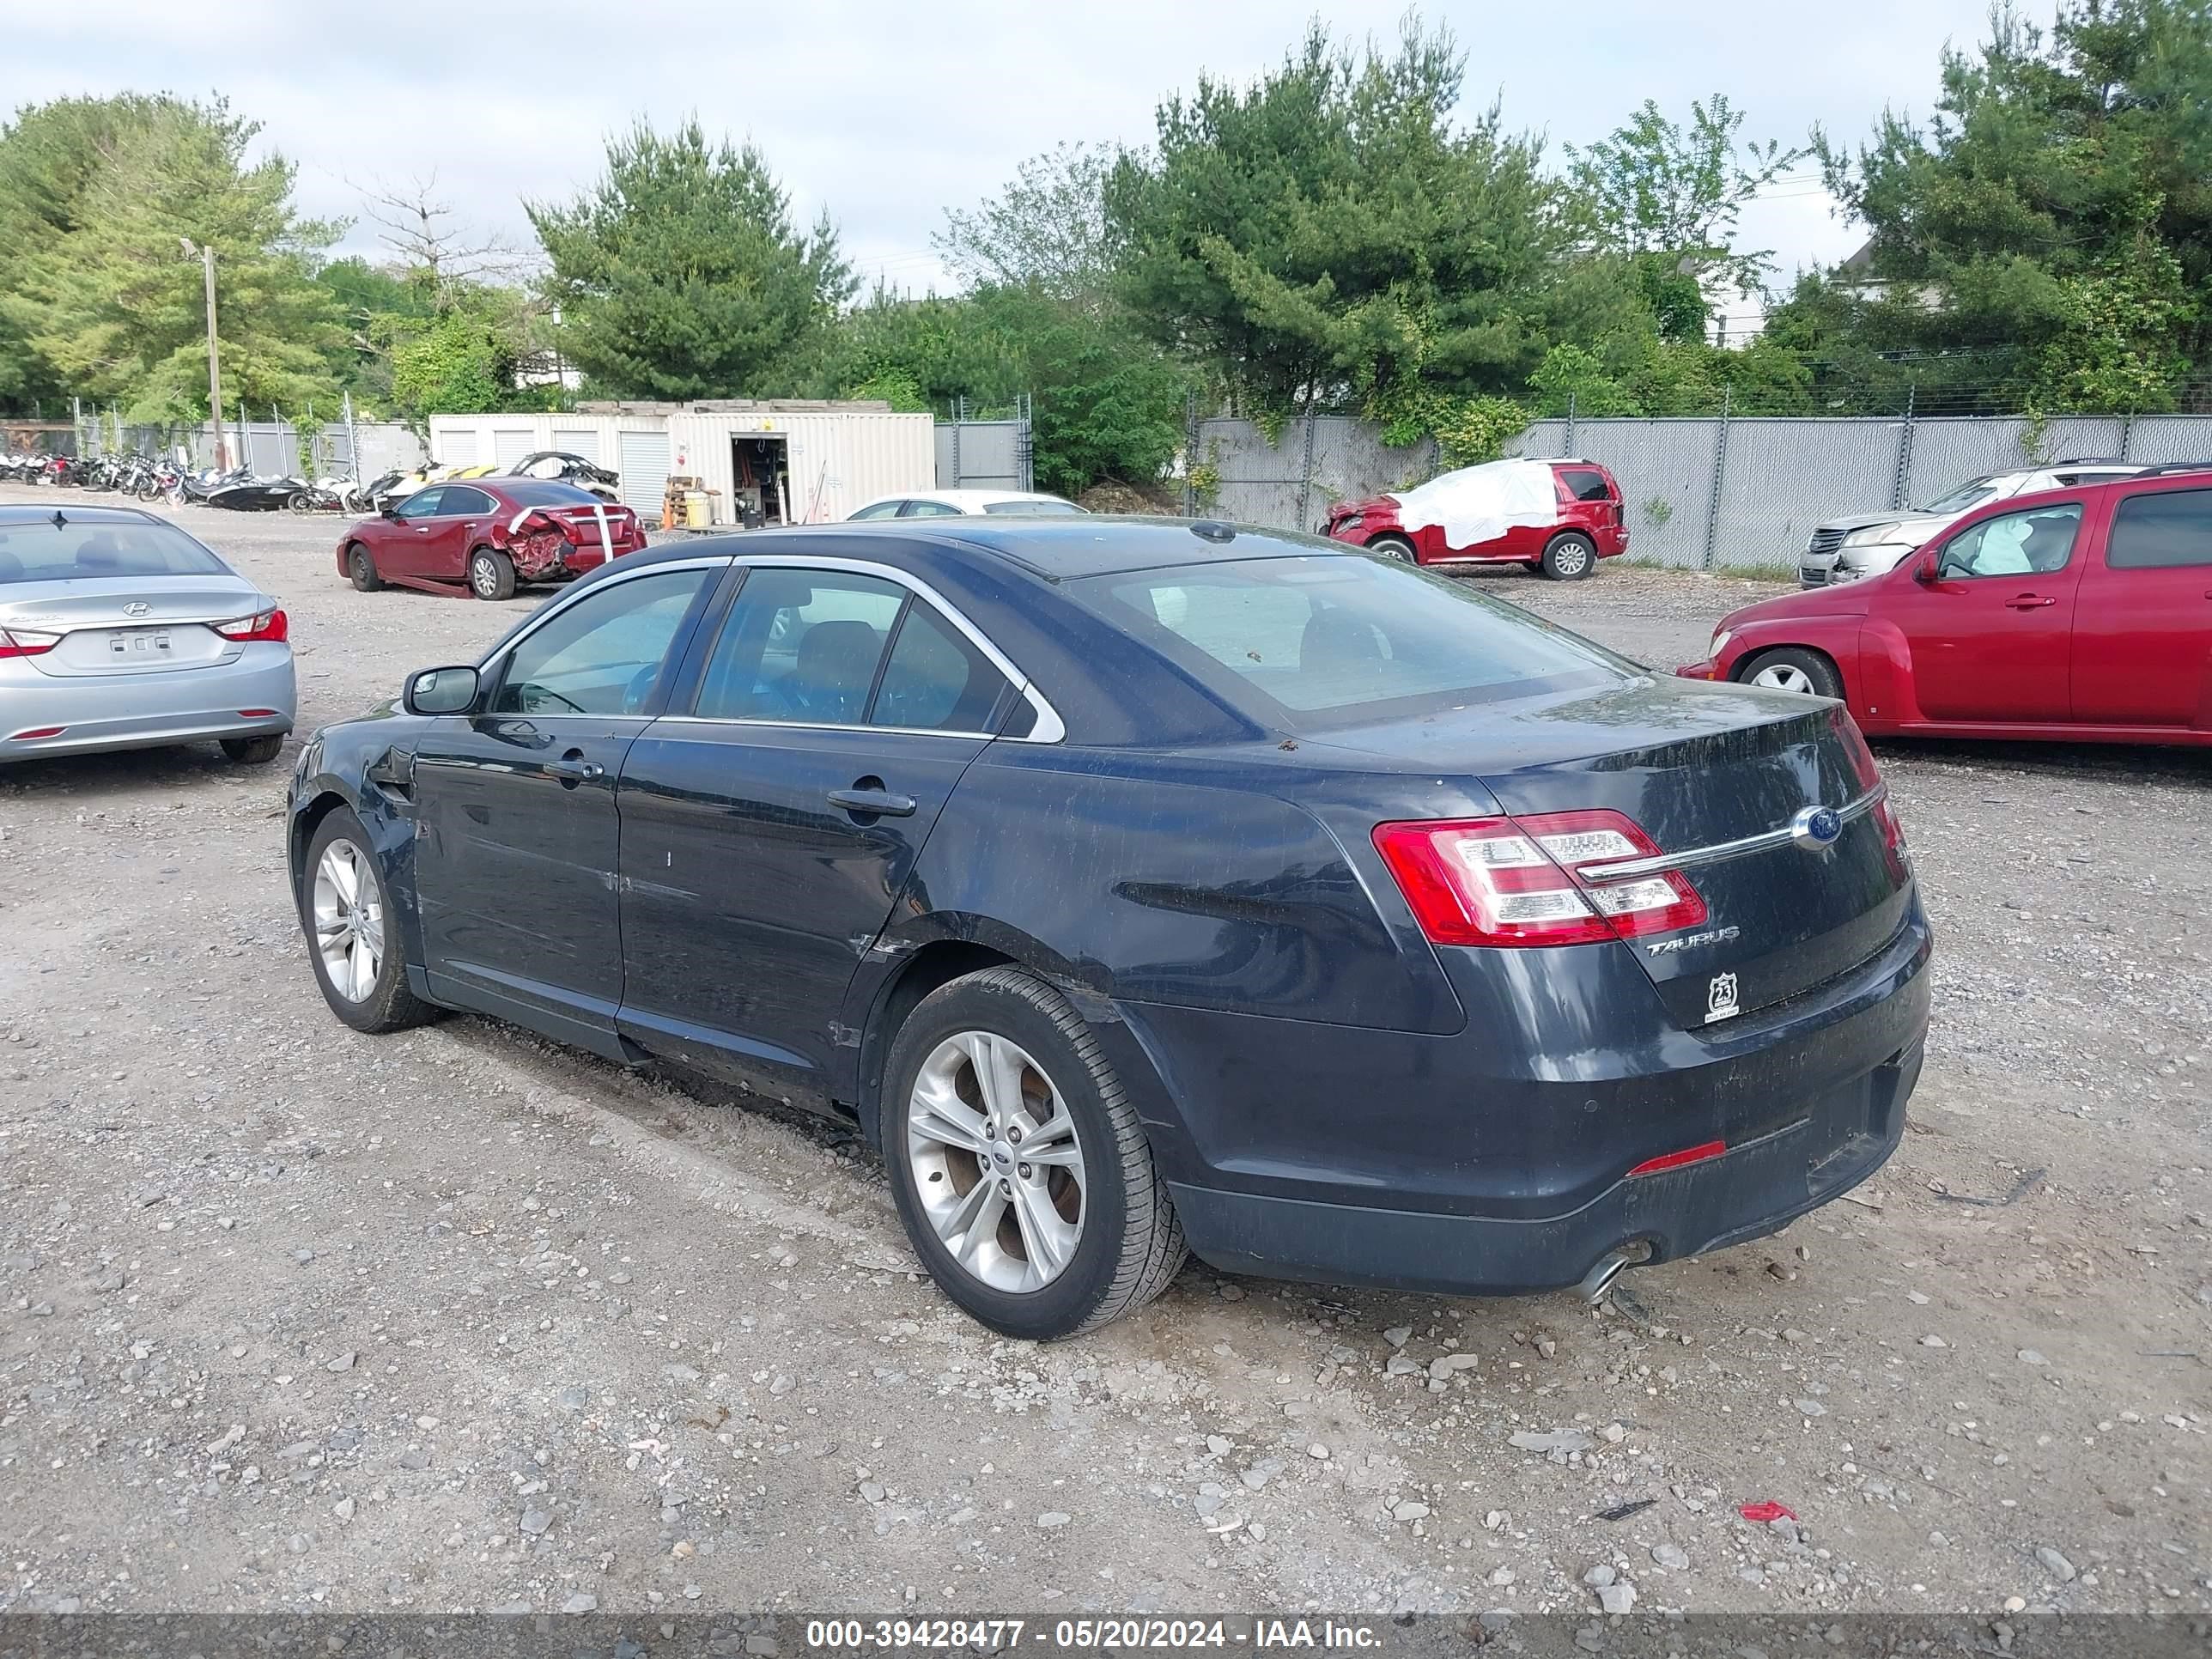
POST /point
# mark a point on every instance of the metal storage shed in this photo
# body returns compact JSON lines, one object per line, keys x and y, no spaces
{"x":816,"y":461}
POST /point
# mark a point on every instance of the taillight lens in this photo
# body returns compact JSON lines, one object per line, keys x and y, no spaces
{"x":265,"y":625}
{"x":1510,"y":881}
{"x":23,"y":642}
{"x":1870,"y":776}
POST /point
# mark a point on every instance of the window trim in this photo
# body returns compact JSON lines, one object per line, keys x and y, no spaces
{"x":2122,"y":501}
{"x":1048,"y":728}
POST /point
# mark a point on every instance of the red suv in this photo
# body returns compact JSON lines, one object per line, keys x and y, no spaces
{"x":2081,"y":614}
{"x":1497,"y":514}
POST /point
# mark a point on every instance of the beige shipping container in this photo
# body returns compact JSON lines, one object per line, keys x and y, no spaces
{"x":823,"y":460}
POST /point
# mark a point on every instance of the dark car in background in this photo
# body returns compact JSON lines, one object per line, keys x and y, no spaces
{"x":487,"y":536}
{"x":1139,"y":886}
{"x":1580,"y":520}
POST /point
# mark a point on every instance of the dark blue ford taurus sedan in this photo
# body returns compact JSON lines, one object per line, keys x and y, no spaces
{"x":1150,"y":886}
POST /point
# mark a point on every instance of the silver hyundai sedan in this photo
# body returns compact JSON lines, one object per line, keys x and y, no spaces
{"x":117,"y":631}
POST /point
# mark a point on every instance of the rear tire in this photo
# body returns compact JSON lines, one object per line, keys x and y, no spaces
{"x":360,"y":563}
{"x":491,"y":573}
{"x":1394,"y":547}
{"x":1794,"y":668}
{"x":1098,"y":1198}
{"x":334,"y":922}
{"x":254,"y":752}
{"x":300,"y":502}
{"x":1570,"y":558}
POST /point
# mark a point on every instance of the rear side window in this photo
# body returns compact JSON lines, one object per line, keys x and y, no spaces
{"x":1345,"y":639}
{"x":459,"y":501}
{"x":801,"y":646}
{"x":2160,"y":531}
{"x":1034,"y":509}
{"x":935,"y":679}
{"x":1585,"y":483}
{"x":44,"y":551}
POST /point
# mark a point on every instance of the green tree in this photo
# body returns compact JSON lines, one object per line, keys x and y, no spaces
{"x":1327,"y":236}
{"x":1670,"y":198}
{"x":2057,"y":211}
{"x":680,"y":274}
{"x":1047,"y":228}
{"x":110,"y":302}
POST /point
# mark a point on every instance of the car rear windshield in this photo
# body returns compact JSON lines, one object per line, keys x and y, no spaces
{"x":42,"y":551}
{"x":1033,"y":510}
{"x":1586,"y":483}
{"x":1338,"y":640}
{"x":544,"y":492}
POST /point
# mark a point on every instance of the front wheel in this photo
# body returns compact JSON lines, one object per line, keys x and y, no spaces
{"x":491,"y":574}
{"x":1794,"y":668}
{"x":1021,"y":1174}
{"x":360,"y":565}
{"x":1569,"y":557}
{"x":1394,"y":547}
{"x":347,"y":912}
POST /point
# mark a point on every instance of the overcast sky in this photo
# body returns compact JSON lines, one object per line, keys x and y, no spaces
{"x":887,"y":112}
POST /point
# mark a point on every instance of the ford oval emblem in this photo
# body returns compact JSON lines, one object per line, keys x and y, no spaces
{"x":1816,"y":826}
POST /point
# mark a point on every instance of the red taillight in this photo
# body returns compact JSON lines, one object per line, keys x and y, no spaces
{"x":23,"y":643}
{"x":266,"y":625}
{"x":1870,"y":777}
{"x":38,"y":732}
{"x":1697,"y":1154}
{"x":1507,"y":881}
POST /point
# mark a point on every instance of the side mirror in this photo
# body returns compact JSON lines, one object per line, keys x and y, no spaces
{"x":1926,"y":567}
{"x":440,"y":691}
{"x":389,"y":506}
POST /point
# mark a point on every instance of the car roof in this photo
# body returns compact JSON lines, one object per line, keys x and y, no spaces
{"x":71,"y":512}
{"x":967,"y":498}
{"x":1099,"y":545}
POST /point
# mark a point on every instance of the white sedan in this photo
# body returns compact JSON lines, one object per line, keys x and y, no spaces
{"x":966,"y":503}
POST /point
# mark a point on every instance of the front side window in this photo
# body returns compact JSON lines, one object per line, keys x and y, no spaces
{"x":930,"y":510}
{"x":1344,"y":639}
{"x":1035,"y":509}
{"x":2036,"y":542}
{"x":605,"y":653}
{"x":422,"y":504}
{"x":2160,"y":530}
{"x":877,"y":510}
{"x":801,"y":646}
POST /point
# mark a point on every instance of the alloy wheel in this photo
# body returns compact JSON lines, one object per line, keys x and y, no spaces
{"x":997,"y":1163}
{"x":483,"y":576}
{"x":1571,"y":559}
{"x":348,"y":922}
{"x":1784,"y":677}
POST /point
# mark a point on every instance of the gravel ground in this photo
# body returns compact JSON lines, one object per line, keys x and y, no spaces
{"x":293,"y":1318}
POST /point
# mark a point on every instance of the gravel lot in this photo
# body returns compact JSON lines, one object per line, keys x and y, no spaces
{"x":293,"y":1318}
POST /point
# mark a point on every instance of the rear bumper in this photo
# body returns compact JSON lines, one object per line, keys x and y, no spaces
{"x":1496,"y":1162}
{"x":149,"y":711}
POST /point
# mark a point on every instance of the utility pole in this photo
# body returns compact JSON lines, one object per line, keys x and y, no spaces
{"x":215,"y":370}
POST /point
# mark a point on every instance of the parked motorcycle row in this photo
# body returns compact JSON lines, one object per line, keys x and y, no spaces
{"x":150,"y":478}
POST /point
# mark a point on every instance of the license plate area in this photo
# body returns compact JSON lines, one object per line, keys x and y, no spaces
{"x":144,"y":644}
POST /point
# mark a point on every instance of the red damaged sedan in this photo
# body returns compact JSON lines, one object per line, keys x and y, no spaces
{"x":487,"y":536}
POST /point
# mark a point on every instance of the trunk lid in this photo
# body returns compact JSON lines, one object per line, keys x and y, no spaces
{"x":148,"y":624}
{"x":1698,"y":767}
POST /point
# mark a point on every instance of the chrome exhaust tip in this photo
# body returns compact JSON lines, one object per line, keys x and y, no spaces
{"x":1610,"y":1265}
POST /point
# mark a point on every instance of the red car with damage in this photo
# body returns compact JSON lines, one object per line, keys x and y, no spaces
{"x":2081,"y":614}
{"x":1588,"y":523}
{"x":488,"y":537}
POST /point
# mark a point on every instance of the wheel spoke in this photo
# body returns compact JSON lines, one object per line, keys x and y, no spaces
{"x":1053,"y":1142}
{"x":364,"y":969}
{"x":998,"y":1065}
{"x":942,"y":1116}
{"x":975,"y":1221}
{"x":1046,"y":1234}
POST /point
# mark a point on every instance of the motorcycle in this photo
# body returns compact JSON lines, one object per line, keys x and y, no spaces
{"x":331,"y":494}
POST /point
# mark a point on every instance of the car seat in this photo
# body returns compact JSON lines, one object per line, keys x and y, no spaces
{"x":1337,"y":642}
{"x":836,"y":665}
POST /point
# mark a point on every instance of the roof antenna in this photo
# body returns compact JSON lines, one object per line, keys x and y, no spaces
{"x":60,"y":523}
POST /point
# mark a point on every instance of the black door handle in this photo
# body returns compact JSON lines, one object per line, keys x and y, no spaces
{"x":877,"y":802}
{"x":571,"y":768}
